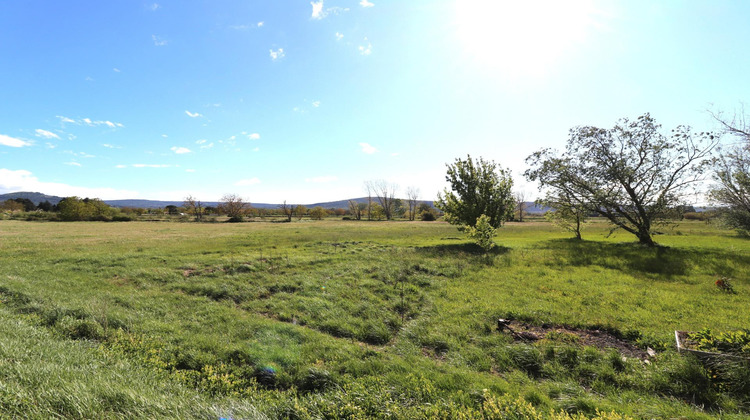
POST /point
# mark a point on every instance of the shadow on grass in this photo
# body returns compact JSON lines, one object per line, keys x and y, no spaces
{"x":469,"y":248}
{"x":633,"y":257}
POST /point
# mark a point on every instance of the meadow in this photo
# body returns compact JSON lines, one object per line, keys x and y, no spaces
{"x":346,"y":319}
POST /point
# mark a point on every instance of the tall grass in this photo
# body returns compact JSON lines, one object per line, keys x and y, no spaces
{"x":305,"y":319}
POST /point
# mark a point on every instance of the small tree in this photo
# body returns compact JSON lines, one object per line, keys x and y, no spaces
{"x":318,"y":213}
{"x":171,"y":209}
{"x":631,"y":174}
{"x":385,"y":192}
{"x":233,"y":206}
{"x":482,"y":233}
{"x":565,"y":213}
{"x":356,"y":209}
{"x":287,"y":210}
{"x":520,"y":197}
{"x":194,"y":207}
{"x":478,"y":188}
{"x":412,"y":195}
{"x":300,"y":211}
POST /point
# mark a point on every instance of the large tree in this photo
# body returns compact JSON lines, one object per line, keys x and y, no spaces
{"x":477,"y":188}
{"x":732,"y":174}
{"x":233,"y":206}
{"x":631,"y":174}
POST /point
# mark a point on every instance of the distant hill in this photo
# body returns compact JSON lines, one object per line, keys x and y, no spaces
{"x":35,"y":197}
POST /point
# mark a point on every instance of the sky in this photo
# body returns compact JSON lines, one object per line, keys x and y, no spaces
{"x":304,"y":102}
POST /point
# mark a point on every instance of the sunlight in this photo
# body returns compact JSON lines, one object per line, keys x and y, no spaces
{"x":521,"y":38}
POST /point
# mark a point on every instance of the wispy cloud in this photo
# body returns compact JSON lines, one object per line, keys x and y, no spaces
{"x":154,"y":7}
{"x":260,"y":24}
{"x":365,"y":3}
{"x":180,"y":150}
{"x":193,"y":114}
{"x":89,"y":122}
{"x":322,"y":179}
{"x":316,"y":104}
{"x":365,"y":49}
{"x":13,"y":142}
{"x":46,"y":134}
{"x":116,"y":70}
{"x":339,"y":36}
{"x":367,"y":148}
{"x":111,"y":146}
{"x":246,"y":182}
{"x":277,"y":54}
{"x":73,"y":164}
{"x":159,"y":42}
{"x":146,"y":165}
{"x":254,"y":136}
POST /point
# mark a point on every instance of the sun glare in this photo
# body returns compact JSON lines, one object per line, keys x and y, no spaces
{"x":521,"y":37}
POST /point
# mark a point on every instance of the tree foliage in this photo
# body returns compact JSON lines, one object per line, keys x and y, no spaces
{"x":631,"y":174}
{"x":732,"y":174}
{"x":477,"y":188}
{"x":233,"y":206}
{"x":565,"y":213}
{"x":482,"y":233}
{"x":77,"y":209}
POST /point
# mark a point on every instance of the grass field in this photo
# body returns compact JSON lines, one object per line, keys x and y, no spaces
{"x":337,"y":319}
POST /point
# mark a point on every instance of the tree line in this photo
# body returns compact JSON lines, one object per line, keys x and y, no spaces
{"x":632,"y":175}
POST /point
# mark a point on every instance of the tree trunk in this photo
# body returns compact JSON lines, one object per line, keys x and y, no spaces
{"x":644,"y":237}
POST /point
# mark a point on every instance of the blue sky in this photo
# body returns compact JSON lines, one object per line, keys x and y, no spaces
{"x":305,"y":101}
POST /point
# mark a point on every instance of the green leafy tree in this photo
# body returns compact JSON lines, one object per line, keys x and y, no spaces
{"x":477,"y":188}
{"x":630,"y":174}
{"x":318,"y":213}
{"x":482,"y":233}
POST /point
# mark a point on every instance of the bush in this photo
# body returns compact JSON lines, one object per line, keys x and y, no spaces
{"x":427,"y":216}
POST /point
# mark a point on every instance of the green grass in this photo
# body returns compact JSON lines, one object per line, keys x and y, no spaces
{"x":356,"y":320}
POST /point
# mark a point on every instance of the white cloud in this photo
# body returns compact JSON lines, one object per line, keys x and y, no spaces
{"x":50,"y":145}
{"x":275,"y":55}
{"x":316,"y":104}
{"x":66,"y":119}
{"x":180,"y":150}
{"x":164,"y":135}
{"x":365,"y":3}
{"x":322,"y":179}
{"x":145,"y":165}
{"x":116,"y":70}
{"x":260,"y":24}
{"x":87,"y":121}
{"x":12,"y":142}
{"x":73,"y":164}
{"x":111,"y":146}
{"x":246,"y":182}
{"x":159,"y":42}
{"x":257,"y":149}
{"x":191,"y":115}
{"x":207,"y":146}
{"x":317,"y":9}
{"x":365,"y":50}
{"x":201,"y":141}
{"x":46,"y":134}
{"x":254,"y":136}
{"x":339,"y":36}
{"x":190,"y":170}
{"x":367,"y":148}
{"x":23,"y":180}
{"x":154,"y":7}
{"x":121,"y":166}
